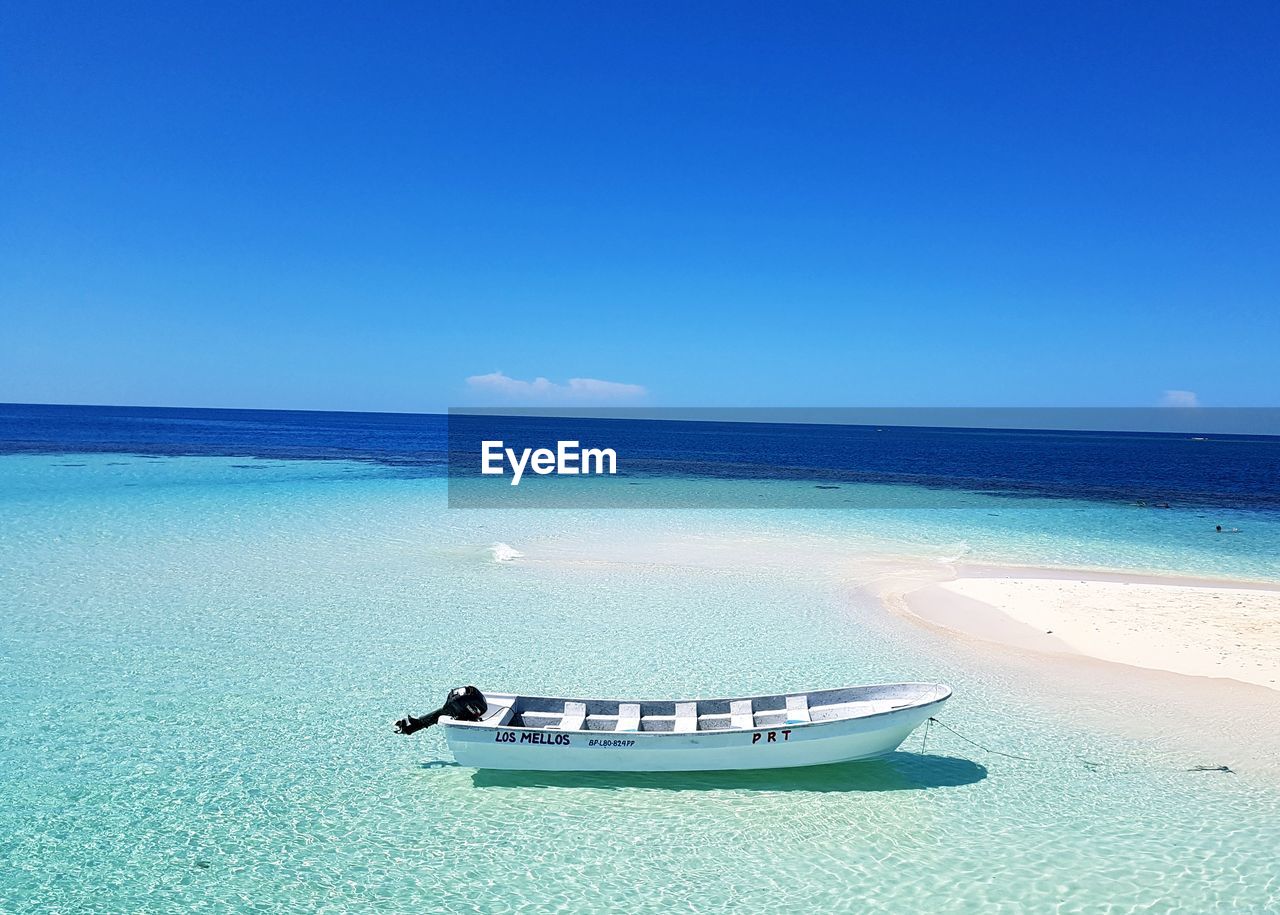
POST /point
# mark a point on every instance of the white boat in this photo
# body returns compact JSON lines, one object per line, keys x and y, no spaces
{"x":753,"y":732}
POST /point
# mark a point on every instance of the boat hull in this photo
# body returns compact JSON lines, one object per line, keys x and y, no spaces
{"x":780,"y":747}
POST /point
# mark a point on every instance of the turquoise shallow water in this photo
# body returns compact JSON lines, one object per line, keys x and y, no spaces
{"x":201,"y":658}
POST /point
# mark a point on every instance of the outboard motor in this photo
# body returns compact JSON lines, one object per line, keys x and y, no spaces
{"x":466,"y":703}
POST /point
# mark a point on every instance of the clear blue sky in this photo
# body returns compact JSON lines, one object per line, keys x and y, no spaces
{"x":360,"y":206}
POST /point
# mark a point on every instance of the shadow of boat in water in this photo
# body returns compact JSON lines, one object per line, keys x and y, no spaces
{"x":895,"y":772}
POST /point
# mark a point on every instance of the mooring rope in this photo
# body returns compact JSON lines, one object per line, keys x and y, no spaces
{"x":974,"y":742}
{"x":1088,"y":764}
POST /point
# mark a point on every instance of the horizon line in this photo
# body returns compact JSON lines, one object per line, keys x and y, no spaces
{"x":776,"y":416}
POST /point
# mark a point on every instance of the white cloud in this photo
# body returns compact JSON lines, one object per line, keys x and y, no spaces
{"x":576,"y":390}
{"x":1180,"y":399}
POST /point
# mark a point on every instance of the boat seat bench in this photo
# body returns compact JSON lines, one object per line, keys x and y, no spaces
{"x":740,"y":715}
{"x":629,"y":716}
{"x":798,"y":710}
{"x":575,"y":713}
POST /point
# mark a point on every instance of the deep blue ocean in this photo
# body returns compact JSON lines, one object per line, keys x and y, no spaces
{"x":1236,"y":472}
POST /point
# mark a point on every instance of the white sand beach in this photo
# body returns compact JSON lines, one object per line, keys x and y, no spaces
{"x":1195,"y":627}
{"x":1188,"y":666}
